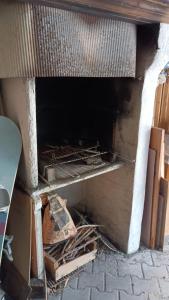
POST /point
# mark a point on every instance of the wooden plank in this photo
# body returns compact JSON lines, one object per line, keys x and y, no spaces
{"x":13,"y":282}
{"x":164,"y":192}
{"x":59,"y":272}
{"x":158,"y":102}
{"x":37,"y":263}
{"x":159,"y":221}
{"x":167,"y":171}
{"x":146,"y":223}
{"x":156,"y":143}
{"x":20,"y":225}
{"x":147,"y":11}
{"x":34,"y":266}
{"x":163,"y":122}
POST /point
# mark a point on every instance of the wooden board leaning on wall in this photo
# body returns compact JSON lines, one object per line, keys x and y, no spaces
{"x":155,"y":225}
{"x":161,"y":110}
{"x":157,"y":144}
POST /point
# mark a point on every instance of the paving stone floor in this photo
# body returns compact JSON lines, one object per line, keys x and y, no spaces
{"x":142,"y":276}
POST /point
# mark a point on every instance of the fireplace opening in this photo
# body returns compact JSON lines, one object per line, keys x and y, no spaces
{"x":76,"y":121}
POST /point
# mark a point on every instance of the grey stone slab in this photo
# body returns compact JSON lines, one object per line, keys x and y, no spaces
{"x":145,"y":286}
{"x":160,"y":258}
{"x":152,"y":271}
{"x":124,"y":296}
{"x":164,"y":285}
{"x":91,"y":280}
{"x":118,"y":283}
{"x":96,"y":295}
{"x":125,"y":268}
{"x":105,"y":266}
{"x":72,"y":294}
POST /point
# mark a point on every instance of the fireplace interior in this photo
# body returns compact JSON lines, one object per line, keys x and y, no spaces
{"x":76,"y":121}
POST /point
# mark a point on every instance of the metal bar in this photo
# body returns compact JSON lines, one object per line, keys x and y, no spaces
{"x":72,"y":153}
{"x":77,"y":159}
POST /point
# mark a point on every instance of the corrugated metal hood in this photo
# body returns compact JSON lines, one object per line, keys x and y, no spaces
{"x":45,"y":41}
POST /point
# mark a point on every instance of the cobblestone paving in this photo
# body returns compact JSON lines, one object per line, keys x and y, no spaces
{"x":142,"y":276}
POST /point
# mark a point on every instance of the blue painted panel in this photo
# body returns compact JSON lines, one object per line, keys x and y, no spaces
{"x":10,"y":150}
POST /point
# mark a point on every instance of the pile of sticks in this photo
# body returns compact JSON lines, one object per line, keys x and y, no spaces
{"x":73,"y":248}
{"x":65,"y":258}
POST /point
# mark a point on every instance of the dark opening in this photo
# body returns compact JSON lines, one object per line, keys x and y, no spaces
{"x":79,"y":111}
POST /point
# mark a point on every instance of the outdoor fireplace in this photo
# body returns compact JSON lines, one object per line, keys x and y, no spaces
{"x":84,"y":105}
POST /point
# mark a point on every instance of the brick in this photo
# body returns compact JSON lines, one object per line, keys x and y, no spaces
{"x":73,"y":283}
{"x":141,"y":257}
{"x":124,"y":296}
{"x":58,"y":297}
{"x":72,"y":294}
{"x":102,"y":255}
{"x":151,"y":271}
{"x":145,"y":286}
{"x":124,"y":268}
{"x":105,"y":266}
{"x":118,"y":283}
{"x":112,"y":256}
{"x":164,"y":285}
{"x":155,"y":297}
{"x":91,"y":280}
{"x":160,"y":258}
{"x":96,"y":295}
{"x":88,"y":267}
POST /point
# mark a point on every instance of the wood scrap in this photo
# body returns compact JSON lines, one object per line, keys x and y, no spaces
{"x":63,"y":270}
{"x":160,"y":222}
{"x":146,"y":223}
{"x":156,"y":143}
{"x":164,"y":192}
{"x":64,"y":258}
{"x":13,"y":282}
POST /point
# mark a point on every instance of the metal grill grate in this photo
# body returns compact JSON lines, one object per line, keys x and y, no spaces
{"x":69,"y":162}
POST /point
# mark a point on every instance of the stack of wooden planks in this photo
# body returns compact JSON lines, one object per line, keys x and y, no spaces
{"x":161,"y":111}
{"x":155,"y":226}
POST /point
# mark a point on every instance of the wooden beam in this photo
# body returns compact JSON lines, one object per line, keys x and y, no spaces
{"x":156,"y":143}
{"x":146,"y":223}
{"x":146,"y":11}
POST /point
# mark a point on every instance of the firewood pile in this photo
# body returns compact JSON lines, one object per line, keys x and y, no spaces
{"x":68,"y":244}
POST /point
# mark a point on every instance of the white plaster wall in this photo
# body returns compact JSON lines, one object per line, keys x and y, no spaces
{"x":109,"y":196}
{"x":146,"y":118}
{"x":18,"y":98}
{"x":74,"y":194}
